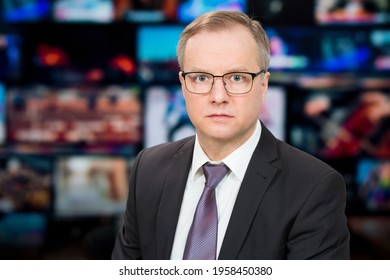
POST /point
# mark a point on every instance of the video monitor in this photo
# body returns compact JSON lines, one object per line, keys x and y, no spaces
{"x":92,"y":11}
{"x":25,"y":183}
{"x":10,"y":56}
{"x":344,"y":50}
{"x":336,"y":124}
{"x":292,"y":48}
{"x":74,"y":115}
{"x":144,"y":11}
{"x":16,"y":11}
{"x":281,"y":12}
{"x":2,"y":113}
{"x":273,"y":111}
{"x":22,"y":235}
{"x":188,"y":10}
{"x":332,"y":49}
{"x":380,"y":44}
{"x":165,"y":115}
{"x":156,"y":53}
{"x":83,"y":54}
{"x":352,"y":12}
{"x":88,"y":185}
{"x":373,"y":184}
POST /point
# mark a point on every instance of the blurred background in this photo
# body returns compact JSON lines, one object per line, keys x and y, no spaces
{"x":86,"y":84}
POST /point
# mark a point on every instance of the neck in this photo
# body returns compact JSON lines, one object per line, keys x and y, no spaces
{"x":217,"y":152}
{"x":218,"y":149}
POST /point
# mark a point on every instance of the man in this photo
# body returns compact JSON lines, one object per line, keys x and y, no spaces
{"x":275,"y":202}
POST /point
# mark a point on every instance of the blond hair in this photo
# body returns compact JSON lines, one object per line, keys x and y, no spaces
{"x":220,"y":20}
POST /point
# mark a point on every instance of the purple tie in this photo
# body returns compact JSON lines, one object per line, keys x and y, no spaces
{"x":202,"y":237}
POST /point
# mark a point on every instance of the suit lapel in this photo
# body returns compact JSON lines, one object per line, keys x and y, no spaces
{"x":255,"y":183}
{"x":171,"y":199}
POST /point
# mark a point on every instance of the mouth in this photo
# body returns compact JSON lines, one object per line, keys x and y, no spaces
{"x":219,"y":116}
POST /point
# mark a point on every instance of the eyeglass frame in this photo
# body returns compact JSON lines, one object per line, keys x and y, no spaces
{"x":254,"y":75}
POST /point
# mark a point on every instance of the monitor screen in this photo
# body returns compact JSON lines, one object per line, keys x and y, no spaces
{"x":165,"y":116}
{"x":344,"y":50}
{"x":281,"y":12}
{"x":373,"y":181}
{"x":273,"y":111}
{"x":141,"y":11}
{"x":90,"y":186}
{"x":157,"y":43}
{"x":2,"y":113}
{"x":291,"y":48}
{"x":329,"y":50}
{"x":25,"y":183}
{"x":341,"y":124}
{"x":83,"y":54}
{"x":352,"y":12}
{"x":94,"y":11}
{"x":10,"y":56}
{"x":188,"y":10}
{"x":14,"y":11}
{"x":78,"y":115}
{"x":22,"y":235}
{"x":156,"y":53}
{"x":380,"y":43}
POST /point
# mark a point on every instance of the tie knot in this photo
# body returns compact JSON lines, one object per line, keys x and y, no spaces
{"x":214,"y":173}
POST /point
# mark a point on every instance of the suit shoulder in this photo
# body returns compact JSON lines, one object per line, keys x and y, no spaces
{"x":169,"y":149}
{"x":302,"y":161}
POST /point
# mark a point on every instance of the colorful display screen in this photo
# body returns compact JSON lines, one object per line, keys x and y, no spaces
{"x":90,"y":186}
{"x":22,"y":236}
{"x":352,"y":12}
{"x":88,"y":115}
{"x":166,"y":116}
{"x":373,"y":180}
{"x":25,"y":10}
{"x":10,"y":56}
{"x":95,"y":11}
{"x":188,"y":10}
{"x":25,"y":183}
{"x":341,"y":124}
{"x":156,"y":53}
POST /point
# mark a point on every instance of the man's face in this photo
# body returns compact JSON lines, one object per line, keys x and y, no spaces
{"x":220,"y":117}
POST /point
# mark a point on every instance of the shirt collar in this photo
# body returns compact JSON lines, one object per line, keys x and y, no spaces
{"x":237,"y":161}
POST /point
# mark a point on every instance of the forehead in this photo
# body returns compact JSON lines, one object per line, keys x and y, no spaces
{"x":224,"y":49}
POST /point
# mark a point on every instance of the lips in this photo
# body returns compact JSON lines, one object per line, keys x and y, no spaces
{"x":219,"y":116}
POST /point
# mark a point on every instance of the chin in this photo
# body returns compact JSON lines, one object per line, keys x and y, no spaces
{"x":220,"y":137}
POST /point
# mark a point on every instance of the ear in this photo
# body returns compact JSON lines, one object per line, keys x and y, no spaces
{"x":264,"y":84}
{"x":183,"y":86}
{"x":181,"y":77}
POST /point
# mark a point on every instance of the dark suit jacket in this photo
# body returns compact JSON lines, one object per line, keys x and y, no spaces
{"x":290,"y":205}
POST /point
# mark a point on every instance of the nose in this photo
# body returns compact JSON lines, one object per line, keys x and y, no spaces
{"x":218,"y":93}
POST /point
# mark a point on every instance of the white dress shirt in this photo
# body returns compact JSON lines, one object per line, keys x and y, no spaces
{"x":226,"y":191}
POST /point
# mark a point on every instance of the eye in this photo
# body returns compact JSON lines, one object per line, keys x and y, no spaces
{"x":236,"y":77}
{"x":201,"y":78}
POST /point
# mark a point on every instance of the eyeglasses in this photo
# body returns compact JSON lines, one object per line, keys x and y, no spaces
{"x":234,"y":82}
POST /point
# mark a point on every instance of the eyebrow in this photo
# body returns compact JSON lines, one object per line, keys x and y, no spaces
{"x":236,"y":69}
